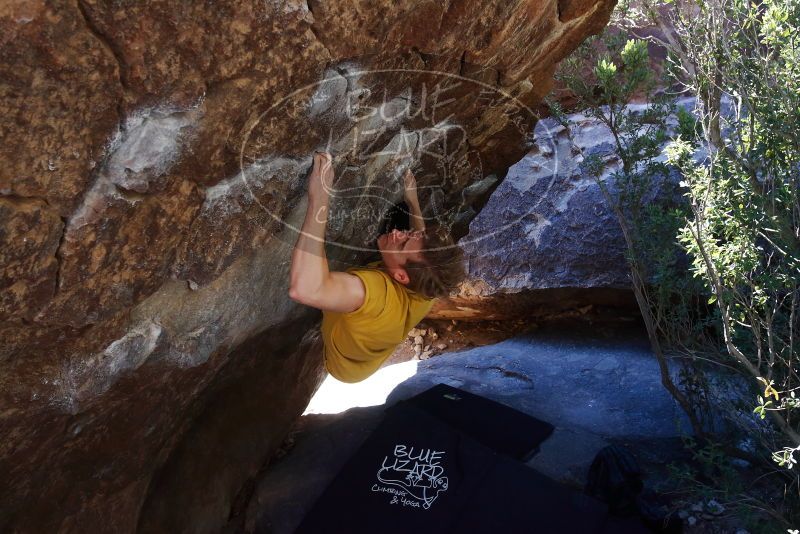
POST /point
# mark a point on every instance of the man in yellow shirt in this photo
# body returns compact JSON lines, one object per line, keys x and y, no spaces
{"x":368,"y":311}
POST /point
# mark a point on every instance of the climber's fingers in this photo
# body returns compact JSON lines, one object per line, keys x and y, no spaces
{"x":322,"y":161}
{"x":320,"y":181}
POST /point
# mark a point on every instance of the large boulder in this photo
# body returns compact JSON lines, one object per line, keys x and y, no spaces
{"x":547,"y":242}
{"x":152,"y":177}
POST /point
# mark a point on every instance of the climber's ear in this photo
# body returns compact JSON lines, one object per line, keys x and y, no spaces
{"x":400,"y":275}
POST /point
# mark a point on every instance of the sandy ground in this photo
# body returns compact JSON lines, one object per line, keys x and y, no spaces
{"x":441,"y":336}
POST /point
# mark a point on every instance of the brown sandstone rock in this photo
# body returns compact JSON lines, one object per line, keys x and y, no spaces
{"x":30,"y":268}
{"x":152,"y":174}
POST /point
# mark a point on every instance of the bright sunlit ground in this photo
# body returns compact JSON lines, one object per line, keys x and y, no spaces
{"x":335,"y":397}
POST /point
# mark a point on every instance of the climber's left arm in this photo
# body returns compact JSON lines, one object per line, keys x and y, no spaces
{"x":416,"y":219}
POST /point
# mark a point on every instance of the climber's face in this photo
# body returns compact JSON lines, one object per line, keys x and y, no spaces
{"x":397,"y":248}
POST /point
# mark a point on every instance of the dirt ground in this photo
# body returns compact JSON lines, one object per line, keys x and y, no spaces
{"x":441,"y":335}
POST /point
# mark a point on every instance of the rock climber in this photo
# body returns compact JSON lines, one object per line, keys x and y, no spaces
{"x":368,"y":311}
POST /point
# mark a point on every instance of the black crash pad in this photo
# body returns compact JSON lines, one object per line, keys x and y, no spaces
{"x":501,"y":428}
{"x":418,"y":474}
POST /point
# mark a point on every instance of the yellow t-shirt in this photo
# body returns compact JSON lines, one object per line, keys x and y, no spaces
{"x":357,"y":343}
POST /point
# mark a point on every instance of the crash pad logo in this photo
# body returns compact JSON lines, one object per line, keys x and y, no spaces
{"x":413,"y":477}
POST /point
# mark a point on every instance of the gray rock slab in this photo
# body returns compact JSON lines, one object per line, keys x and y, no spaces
{"x":608,"y":386}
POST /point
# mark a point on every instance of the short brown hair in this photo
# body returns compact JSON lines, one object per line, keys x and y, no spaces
{"x":442,"y":268}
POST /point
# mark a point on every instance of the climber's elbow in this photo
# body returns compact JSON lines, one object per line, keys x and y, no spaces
{"x":297,"y":295}
{"x":302,"y":295}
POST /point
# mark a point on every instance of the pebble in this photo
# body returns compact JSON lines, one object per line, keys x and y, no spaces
{"x":449,"y":328}
{"x":418,"y":340}
{"x":427,"y":347}
{"x":417,"y":350}
{"x":441,"y":346}
{"x":425,"y":355}
{"x":691,"y":521}
{"x":683,"y":514}
{"x":697,"y":507}
{"x":414,"y":332}
{"x":714,"y":507}
{"x":738,"y":462}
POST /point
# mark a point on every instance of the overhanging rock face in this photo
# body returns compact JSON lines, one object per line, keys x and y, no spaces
{"x":151,"y":182}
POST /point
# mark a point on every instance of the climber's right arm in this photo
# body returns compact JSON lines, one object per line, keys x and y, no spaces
{"x":311,"y":282}
{"x":341,"y":292}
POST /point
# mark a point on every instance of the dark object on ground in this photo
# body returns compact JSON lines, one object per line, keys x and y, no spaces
{"x":616,"y":479}
{"x":501,"y":428}
{"x":416,"y":473}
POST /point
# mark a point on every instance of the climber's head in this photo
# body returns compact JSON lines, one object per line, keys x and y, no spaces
{"x":429,"y":262}
{"x":398,"y":248}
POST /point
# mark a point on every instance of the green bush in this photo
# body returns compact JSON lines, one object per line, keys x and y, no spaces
{"x":718,"y":277}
